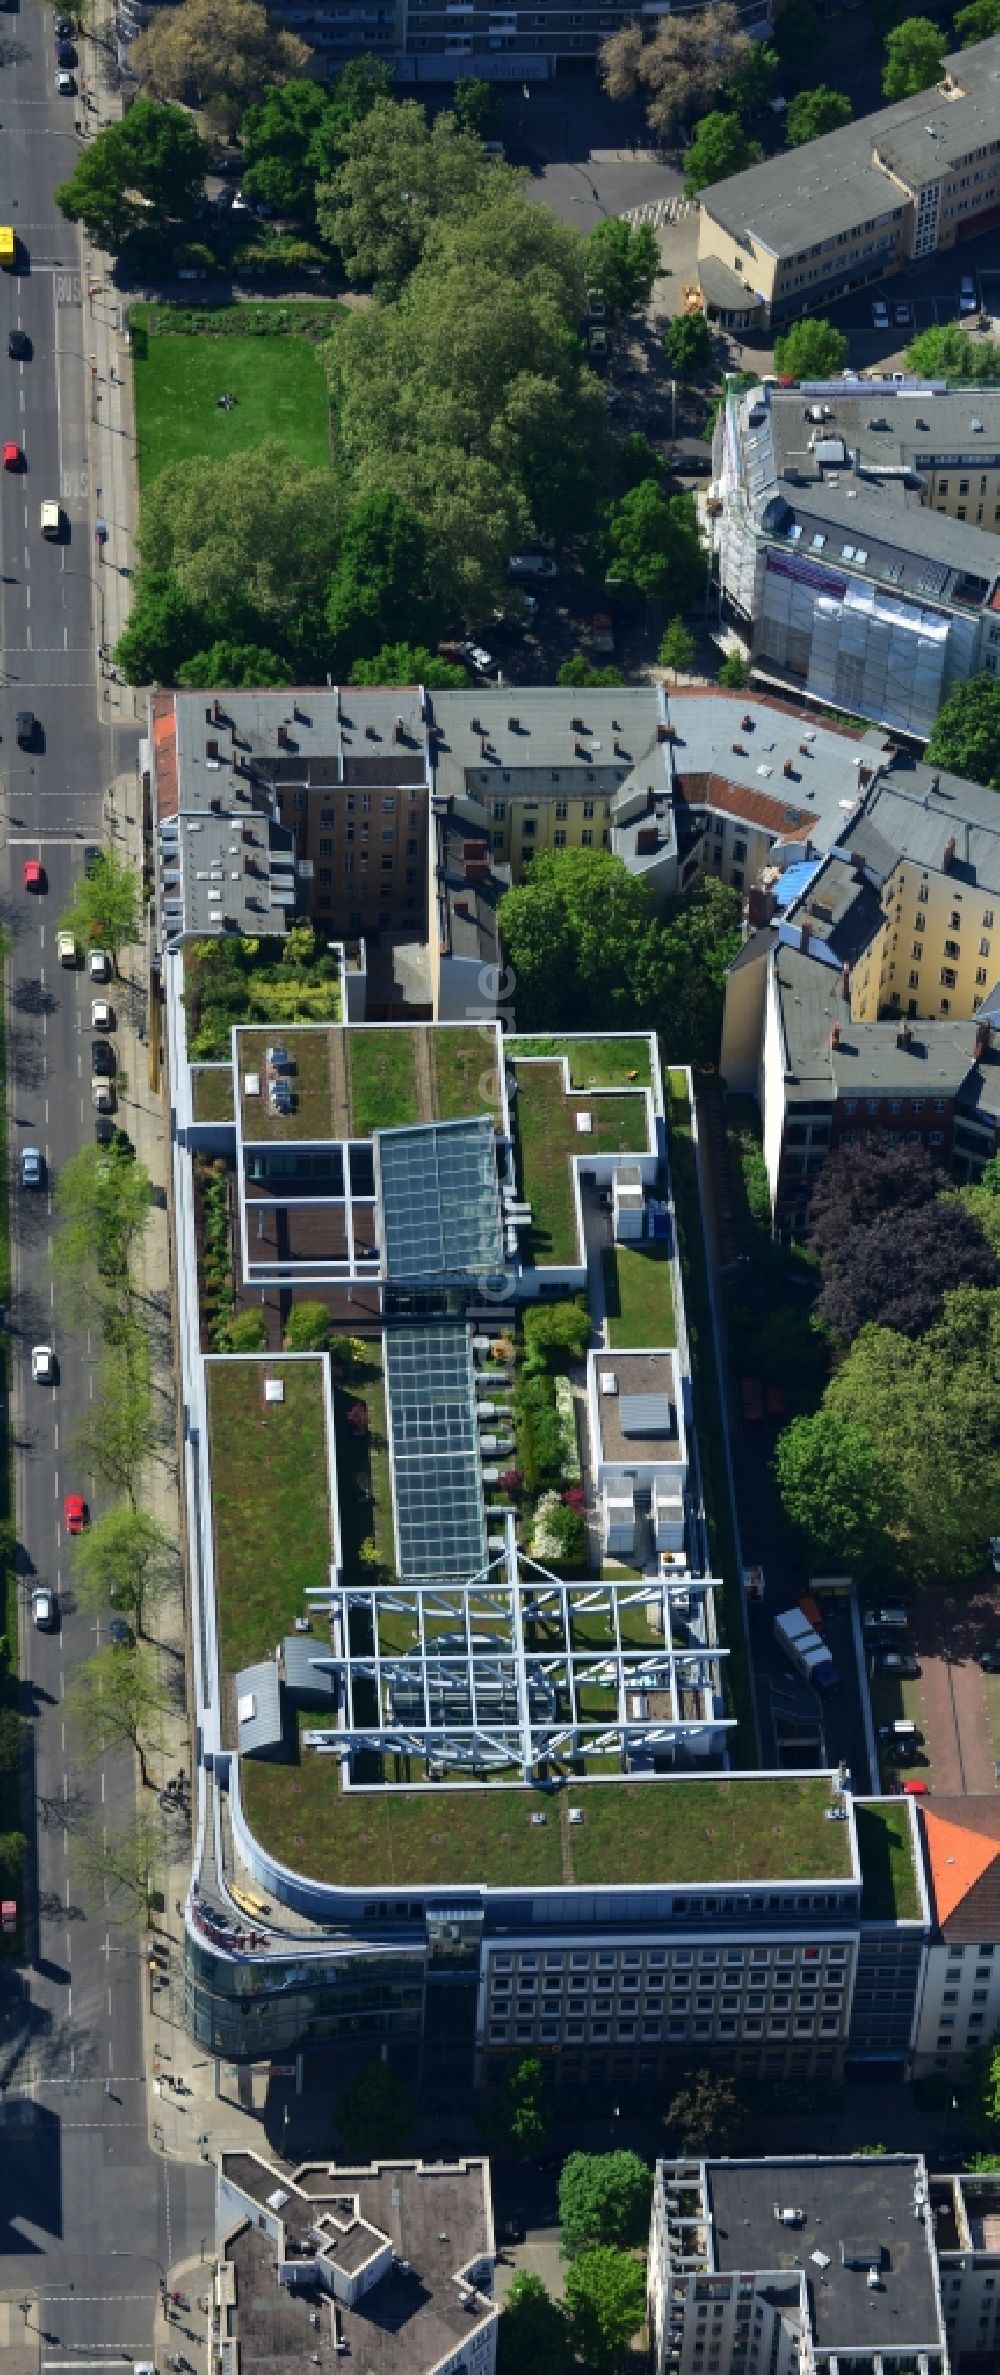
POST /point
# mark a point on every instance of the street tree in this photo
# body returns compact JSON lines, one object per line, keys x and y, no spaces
{"x":735,"y":672}
{"x":151,"y":165}
{"x":163,"y":628}
{"x":810,"y":349}
{"x":375,"y":2116}
{"x":125,"y":1561}
{"x":308,"y":1328}
{"x":533,"y":2336}
{"x":979,"y":22}
{"x":966,"y":733}
{"x":113,"y":1700}
{"x":103,"y":1199}
{"x":477,"y":106}
{"x":279,"y":152}
{"x":981,"y":2084}
{"x":216,"y":55}
{"x":706,"y":2115}
{"x":399,"y":173}
{"x":119,"y":1862}
{"x":752,"y":81}
{"x":606,"y":2304}
{"x":381,"y":589}
{"x":719,"y":147}
{"x":835,"y":1489}
{"x":106,"y":907}
{"x":654,"y":544}
{"x":578,"y":671}
{"x":914,"y":57}
{"x":115,"y":1437}
{"x":411,"y":663}
{"x":814,"y":112}
{"x":518,"y":2115}
{"x":922,"y":1402}
{"x":682,"y":66}
{"x":230,"y":667}
{"x":989,"y":1177}
{"x":688,"y":344}
{"x":604,"y":2197}
{"x":623,"y":260}
{"x":946,"y":351}
{"x":866,"y":1281}
{"x":677,"y":648}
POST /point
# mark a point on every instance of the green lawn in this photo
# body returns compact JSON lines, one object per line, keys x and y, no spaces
{"x":618,"y":1063}
{"x":547,"y":1140}
{"x":279,"y":387}
{"x":212,"y":1092}
{"x":309,"y":1079}
{"x":712,"y":1830}
{"x":889,"y":1890}
{"x":270,"y":1501}
{"x":383,"y":1080}
{"x":638,"y":1295}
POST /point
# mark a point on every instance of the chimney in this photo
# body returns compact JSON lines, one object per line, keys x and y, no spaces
{"x":217,"y":707}
{"x":864,"y":778}
{"x":577,"y":726}
{"x":845,"y":980}
{"x":476,"y":725}
{"x":948,"y":859}
{"x":283,"y":737}
{"x":835,"y":1035}
{"x":513,"y":725}
{"x":739,"y":750}
{"x":984,"y":1040}
{"x":398,"y":730}
{"x":805,"y":750}
{"x":746,"y":722}
{"x":903,"y":1035}
{"x":805,"y":935}
{"x":935,"y":783}
{"x":788,"y":768}
{"x":665,"y":734}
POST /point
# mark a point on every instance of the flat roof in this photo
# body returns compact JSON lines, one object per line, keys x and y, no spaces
{"x":348,"y":1080}
{"x":638,"y":1419}
{"x":848,"y":2210}
{"x":639,"y":1833}
{"x":438,"y":1195}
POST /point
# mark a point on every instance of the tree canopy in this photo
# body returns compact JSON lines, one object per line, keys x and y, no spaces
{"x":218,"y":55}
{"x":411,"y":663}
{"x":533,"y":2337}
{"x":914,"y":57}
{"x":105,"y":910}
{"x":230,"y":666}
{"x":400,"y":174}
{"x":683,"y":65}
{"x":835,"y":1488}
{"x":149,"y":165}
{"x":622,"y":261}
{"x":589,"y":953}
{"x":606,"y":2303}
{"x":688,"y":343}
{"x":946,"y":351}
{"x":126,"y":1561}
{"x":978,"y":22}
{"x":604,"y":2197}
{"x":799,"y":37}
{"x":966,"y":735}
{"x":518,"y":2114}
{"x":706,"y":2115}
{"x":294,"y":137}
{"x":858,"y":1183}
{"x":381,"y":589}
{"x":654,"y":544}
{"x":719,"y":147}
{"x":812,"y":113}
{"x":937,"y":1431}
{"x":810,"y":349}
{"x":251,"y":539}
{"x":114,"y":1697}
{"x":869,"y":1281}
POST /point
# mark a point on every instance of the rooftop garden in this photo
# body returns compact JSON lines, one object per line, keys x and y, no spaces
{"x":636,"y":1832}
{"x":638,"y":1295}
{"x":348,"y":1083}
{"x":889,"y":1882}
{"x":385,"y":1082}
{"x":212,"y":1092}
{"x":312,"y":1078}
{"x":464,"y":1066}
{"x":275,"y":981}
{"x":618,"y":1063}
{"x":270,"y":1500}
{"x":547,"y":1138}
{"x":363,"y":1477}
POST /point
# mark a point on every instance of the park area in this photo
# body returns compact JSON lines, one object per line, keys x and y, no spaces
{"x":277,"y":381}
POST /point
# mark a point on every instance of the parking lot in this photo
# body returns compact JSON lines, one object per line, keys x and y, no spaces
{"x":953,"y":1703}
{"x":930,"y":291}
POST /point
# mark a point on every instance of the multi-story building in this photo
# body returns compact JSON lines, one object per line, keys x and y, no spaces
{"x":807,"y":226}
{"x":859,"y":541}
{"x":390,"y":2265}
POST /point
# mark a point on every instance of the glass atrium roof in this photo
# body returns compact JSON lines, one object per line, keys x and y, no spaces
{"x":436,"y":1186}
{"x":440,"y":1518}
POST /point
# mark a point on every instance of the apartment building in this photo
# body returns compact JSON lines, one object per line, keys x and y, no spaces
{"x":791,"y":234}
{"x":769,"y":2267}
{"x":859,"y":541}
{"x":865,"y":995}
{"x":435,"y":41}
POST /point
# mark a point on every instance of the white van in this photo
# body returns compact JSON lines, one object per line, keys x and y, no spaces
{"x":51,"y":519}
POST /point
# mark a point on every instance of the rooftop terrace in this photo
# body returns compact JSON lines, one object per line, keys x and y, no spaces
{"x":633,"y":1832}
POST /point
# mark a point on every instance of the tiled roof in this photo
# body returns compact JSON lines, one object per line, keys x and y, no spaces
{"x":963,"y":1852}
{"x":163,"y":714}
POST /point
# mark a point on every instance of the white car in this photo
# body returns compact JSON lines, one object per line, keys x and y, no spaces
{"x":476,"y":657}
{"x":99,"y":964}
{"x":102,"y":1016}
{"x":43,"y":1609}
{"x":43,"y":1364}
{"x":66,"y":948}
{"x":967,"y":299}
{"x":880,"y":314}
{"x":65,"y":84}
{"x":103,"y":1094}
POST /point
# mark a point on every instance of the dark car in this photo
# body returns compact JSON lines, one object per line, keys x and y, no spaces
{"x":65,"y":53}
{"x":692,"y":465}
{"x":990,"y":1661}
{"x":91,"y":857}
{"x":120,"y":1635}
{"x":19,"y":346}
{"x":897,"y":1661}
{"x":63,"y":28}
{"x":103,"y":1064}
{"x":26,"y":728}
{"x":104,"y":1129}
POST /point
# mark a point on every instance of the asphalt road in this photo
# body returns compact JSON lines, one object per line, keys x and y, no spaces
{"x":88,"y":2216}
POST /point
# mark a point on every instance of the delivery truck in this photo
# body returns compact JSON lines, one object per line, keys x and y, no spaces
{"x":8,"y":244}
{"x":804,"y":1649}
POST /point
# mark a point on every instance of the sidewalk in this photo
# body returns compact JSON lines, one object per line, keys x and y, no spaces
{"x":113,"y":481}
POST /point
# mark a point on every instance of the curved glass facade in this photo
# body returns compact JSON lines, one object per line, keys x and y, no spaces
{"x":249,"y":2009}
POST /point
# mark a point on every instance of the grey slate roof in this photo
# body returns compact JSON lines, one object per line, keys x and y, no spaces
{"x":260,"y":1730}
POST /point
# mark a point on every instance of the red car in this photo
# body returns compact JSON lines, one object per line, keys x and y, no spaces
{"x":916,"y":1789}
{"x":34,"y":875}
{"x":75,"y":1513}
{"x":12,"y":456}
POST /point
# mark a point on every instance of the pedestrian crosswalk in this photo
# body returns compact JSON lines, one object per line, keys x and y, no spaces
{"x":660,"y":211}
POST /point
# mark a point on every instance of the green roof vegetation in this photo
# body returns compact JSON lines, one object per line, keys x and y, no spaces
{"x":212,"y":1092}
{"x":270,"y":1500}
{"x":347,"y":1083}
{"x":276,"y":982}
{"x":889,"y":1881}
{"x":547,"y":1138}
{"x":618,"y":1063}
{"x":638,"y":1295}
{"x":363,"y":1479}
{"x":632,"y":1832}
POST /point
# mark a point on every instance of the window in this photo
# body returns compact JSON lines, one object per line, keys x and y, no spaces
{"x":559,"y":837}
{"x":586,"y":836}
{"x":529,"y":827}
{"x":499,"y":808}
{"x":561,"y":810}
{"x":326,"y":851}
